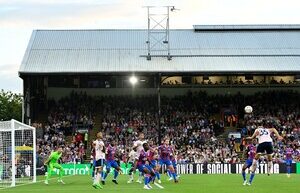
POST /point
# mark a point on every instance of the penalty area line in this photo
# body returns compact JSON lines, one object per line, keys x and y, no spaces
{"x":159,"y":186}
{"x":38,"y":181}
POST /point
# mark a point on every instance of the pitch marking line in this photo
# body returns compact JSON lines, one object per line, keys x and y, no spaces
{"x":160,"y":186}
{"x":38,"y":181}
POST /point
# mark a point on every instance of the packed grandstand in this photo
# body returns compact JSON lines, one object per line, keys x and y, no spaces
{"x":190,"y":121}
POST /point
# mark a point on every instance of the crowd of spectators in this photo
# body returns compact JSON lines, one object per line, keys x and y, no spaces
{"x":185,"y":123}
{"x":72,"y":112}
{"x":74,"y":151}
{"x":233,"y":81}
{"x":187,"y":120}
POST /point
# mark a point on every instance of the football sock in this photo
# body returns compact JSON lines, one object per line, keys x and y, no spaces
{"x":244,"y":175}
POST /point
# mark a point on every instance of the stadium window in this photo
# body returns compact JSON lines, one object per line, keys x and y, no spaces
{"x":248,"y":77}
{"x":186,"y":80}
{"x":205,"y":77}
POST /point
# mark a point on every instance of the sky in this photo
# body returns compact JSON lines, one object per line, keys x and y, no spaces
{"x":18,"y":18}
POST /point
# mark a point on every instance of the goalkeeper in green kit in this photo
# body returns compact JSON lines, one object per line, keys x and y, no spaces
{"x":52,"y":162}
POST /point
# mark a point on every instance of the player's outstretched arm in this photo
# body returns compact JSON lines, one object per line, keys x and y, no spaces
{"x":254,"y":135}
{"x":276,"y":133}
{"x":48,"y":160}
{"x":245,"y":153}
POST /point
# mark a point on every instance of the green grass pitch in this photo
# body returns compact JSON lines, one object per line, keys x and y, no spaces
{"x":228,"y":183}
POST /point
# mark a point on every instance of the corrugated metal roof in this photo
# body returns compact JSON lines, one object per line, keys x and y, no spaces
{"x":76,"y":51}
{"x":247,"y":27}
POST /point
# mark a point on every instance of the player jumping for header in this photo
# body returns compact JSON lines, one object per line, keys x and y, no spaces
{"x":264,"y":146}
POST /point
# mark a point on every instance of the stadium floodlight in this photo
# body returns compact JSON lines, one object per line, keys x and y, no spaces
{"x":133,"y":80}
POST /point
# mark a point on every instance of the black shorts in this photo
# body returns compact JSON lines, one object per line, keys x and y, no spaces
{"x":99,"y":163}
{"x":265,"y":147}
{"x":131,"y":163}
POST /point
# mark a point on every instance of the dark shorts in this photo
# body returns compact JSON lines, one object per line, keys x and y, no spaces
{"x":265,"y":147}
{"x":99,"y":163}
{"x":165,"y":162}
{"x":248,"y":163}
{"x":131,"y":163}
{"x":111,"y":163}
{"x":141,"y":167}
{"x":288,"y":162}
{"x":153,"y":163}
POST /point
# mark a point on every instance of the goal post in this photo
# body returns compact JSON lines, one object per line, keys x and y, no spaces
{"x":17,"y":153}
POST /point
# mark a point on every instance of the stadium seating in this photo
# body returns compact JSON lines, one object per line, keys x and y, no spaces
{"x":188,"y":120}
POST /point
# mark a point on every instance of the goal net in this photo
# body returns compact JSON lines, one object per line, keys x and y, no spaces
{"x":17,"y":154}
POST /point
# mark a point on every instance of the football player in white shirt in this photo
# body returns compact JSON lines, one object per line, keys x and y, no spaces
{"x":99,"y":147}
{"x":264,"y":146}
{"x":138,"y":146}
{"x":131,"y":160}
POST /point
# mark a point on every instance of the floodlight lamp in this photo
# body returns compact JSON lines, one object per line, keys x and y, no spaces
{"x":133,"y":80}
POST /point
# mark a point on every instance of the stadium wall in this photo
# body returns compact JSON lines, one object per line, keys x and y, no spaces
{"x":213,"y":168}
{"x":229,"y":168}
